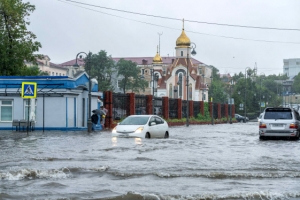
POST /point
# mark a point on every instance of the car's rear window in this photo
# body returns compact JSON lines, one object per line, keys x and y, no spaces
{"x":278,"y":114}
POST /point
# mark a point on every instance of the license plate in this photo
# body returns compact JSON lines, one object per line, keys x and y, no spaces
{"x":277,"y":125}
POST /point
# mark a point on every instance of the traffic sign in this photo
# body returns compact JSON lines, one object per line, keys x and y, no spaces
{"x":29,"y":90}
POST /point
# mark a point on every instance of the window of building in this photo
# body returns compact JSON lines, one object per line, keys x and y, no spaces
{"x":180,"y":85}
{"x":297,"y":63}
{"x":119,"y":83}
{"x":286,"y":63}
{"x":200,"y":70}
{"x":27,"y":106}
{"x":181,"y":53}
{"x":6,"y":107}
{"x":56,"y":74}
{"x":52,"y":73}
{"x":143,"y":71}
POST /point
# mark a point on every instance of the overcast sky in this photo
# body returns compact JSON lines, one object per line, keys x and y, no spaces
{"x":65,"y":29}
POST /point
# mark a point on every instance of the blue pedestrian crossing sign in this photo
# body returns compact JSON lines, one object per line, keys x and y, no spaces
{"x":29,"y":90}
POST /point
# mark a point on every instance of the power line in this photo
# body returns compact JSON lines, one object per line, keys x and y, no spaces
{"x":229,"y":37}
{"x":187,"y":20}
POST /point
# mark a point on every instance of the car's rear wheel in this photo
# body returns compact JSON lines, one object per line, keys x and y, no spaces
{"x":147,"y":136}
{"x":166,"y":134}
{"x":297,"y":136}
{"x":261,"y":137}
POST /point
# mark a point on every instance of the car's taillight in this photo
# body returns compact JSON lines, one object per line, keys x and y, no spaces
{"x":295,"y":126}
{"x":261,"y":125}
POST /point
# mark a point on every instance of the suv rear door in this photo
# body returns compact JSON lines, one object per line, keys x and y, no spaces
{"x":279,"y":122}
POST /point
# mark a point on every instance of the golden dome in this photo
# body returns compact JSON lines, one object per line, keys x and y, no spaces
{"x":157,"y":59}
{"x":183,"y":40}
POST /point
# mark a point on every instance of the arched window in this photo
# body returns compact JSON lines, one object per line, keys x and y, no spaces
{"x":180,"y":85}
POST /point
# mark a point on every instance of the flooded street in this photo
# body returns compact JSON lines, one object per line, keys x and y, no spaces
{"x":223,"y":161}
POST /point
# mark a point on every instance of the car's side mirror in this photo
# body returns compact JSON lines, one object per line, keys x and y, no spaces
{"x":153,"y":123}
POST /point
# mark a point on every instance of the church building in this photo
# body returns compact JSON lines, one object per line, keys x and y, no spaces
{"x":168,"y":76}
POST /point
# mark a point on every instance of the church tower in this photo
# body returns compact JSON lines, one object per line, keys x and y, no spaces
{"x":183,"y":44}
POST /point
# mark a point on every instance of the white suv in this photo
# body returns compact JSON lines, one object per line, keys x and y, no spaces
{"x":279,"y":122}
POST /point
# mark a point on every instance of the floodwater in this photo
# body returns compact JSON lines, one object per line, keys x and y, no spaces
{"x":224,"y":161}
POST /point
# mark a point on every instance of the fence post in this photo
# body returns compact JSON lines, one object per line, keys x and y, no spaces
{"x":202,"y":107}
{"x":219,"y":111}
{"x":191,"y":108}
{"x":233,"y":110}
{"x":149,"y":100}
{"x":165,"y":107}
{"x":108,"y":103}
{"x":226,"y":111}
{"x":131,"y":104}
{"x":179,"y":103}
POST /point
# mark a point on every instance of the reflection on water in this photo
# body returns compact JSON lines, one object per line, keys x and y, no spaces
{"x":197,"y":162}
{"x":114,"y":140}
{"x":138,"y":140}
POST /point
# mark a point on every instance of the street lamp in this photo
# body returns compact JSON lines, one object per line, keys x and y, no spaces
{"x":203,"y":88}
{"x":230,"y":101}
{"x":260,"y":91}
{"x":153,"y":79}
{"x":89,"y":122}
{"x":245,"y":91}
{"x":211,"y":99}
{"x":193,"y":45}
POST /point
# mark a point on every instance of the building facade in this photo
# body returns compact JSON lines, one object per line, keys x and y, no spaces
{"x":61,"y":102}
{"x":291,"y":67}
{"x":167,"y":76}
{"x":45,"y":65}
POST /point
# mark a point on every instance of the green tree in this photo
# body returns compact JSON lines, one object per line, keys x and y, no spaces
{"x":236,"y":77}
{"x":296,"y":84}
{"x":131,"y":76}
{"x":16,"y":42}
{"x":217,"y":88}
{"x":101,"y":67}
{"x":34,"y":71}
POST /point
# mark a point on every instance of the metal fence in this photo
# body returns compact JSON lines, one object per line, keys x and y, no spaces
{"x":158,"y":108}
{"x":120,"y":106}
{"x":196,"y":108}
{"x":140,"y":104}
{"x":215,"y":113}
{"x":184,"y":107}
{"x":173,"y":109}
{"x":222,"y":110}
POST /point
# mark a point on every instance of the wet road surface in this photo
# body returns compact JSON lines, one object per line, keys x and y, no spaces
{"x":224,"y":161}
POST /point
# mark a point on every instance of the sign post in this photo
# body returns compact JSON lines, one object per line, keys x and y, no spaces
{"x":28,"y":92}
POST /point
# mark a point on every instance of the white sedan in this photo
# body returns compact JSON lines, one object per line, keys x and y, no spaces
{"x":142,"y":126}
